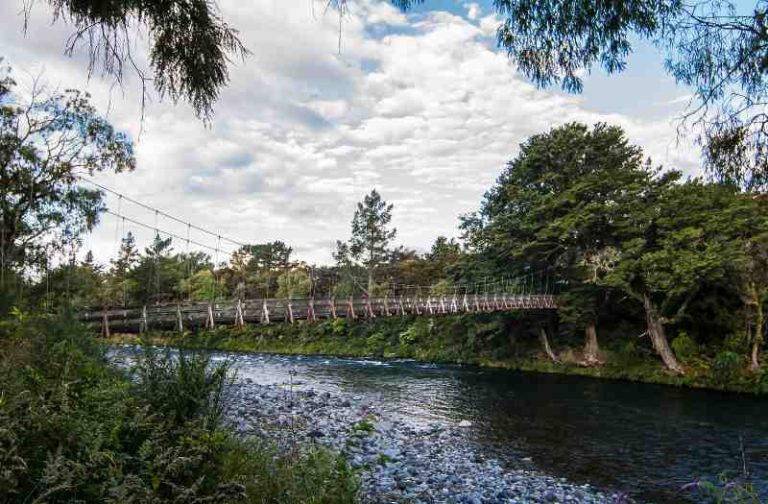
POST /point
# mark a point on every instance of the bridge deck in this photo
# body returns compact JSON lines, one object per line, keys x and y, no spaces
{"x":264,"y":311}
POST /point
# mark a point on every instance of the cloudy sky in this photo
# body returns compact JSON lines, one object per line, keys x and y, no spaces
{"x":422,"y":107}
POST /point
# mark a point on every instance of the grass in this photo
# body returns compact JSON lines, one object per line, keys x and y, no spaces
{"x":484,"y":340}
{"x":74,"y":429}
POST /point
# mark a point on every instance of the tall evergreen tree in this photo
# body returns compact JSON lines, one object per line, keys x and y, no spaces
{"x":371,"y":235}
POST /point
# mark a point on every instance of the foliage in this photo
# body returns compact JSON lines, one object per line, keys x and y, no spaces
{"x":489,"y":339}
{"x":371,"y":237}
{"x":46,"y":141}
{"x":293,"y":284}
{"x":190,"y":46}
{"x":725,"y":366}
{"x":684,"y":347}
{"x":714,"y":47}
{"x":76,"y":429}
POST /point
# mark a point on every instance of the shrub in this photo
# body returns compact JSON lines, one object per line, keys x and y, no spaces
{"x":725,"y":367}
{"x":419,"y":330}
{"x":376,"y":343}
{"x":684,"y":347}
{"x":74,"y":429}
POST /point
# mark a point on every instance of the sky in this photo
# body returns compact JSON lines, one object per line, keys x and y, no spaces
{"x":423,"y":107}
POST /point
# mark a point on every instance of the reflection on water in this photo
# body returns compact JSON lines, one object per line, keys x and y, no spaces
{"x":644,"y":440}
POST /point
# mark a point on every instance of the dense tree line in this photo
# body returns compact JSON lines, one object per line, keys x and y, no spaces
{"x":619,"y":239}
{"x":681,"y":262}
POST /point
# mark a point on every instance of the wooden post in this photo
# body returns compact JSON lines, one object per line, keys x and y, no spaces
{"x":290,"y":312}
{"x":239,"y":321}
{"x":442,"y":304}
{"x":264,"y":313}
{"x":477,"y":304}
{"x":386,"y":307}
{"x":369,"y":308}
{"x":454,"y":306}
{"x":351,"y":309}
{"x":210,"y":323}
{"x":400,"y":305}
{"x":466,"y":303}
{"x":429,"y":305}
{"x":332,"y":306}
{"x":105,"y":324}
{"x":311,"y":310}
{"x":143,"y":324}
{"x":179,"y":320}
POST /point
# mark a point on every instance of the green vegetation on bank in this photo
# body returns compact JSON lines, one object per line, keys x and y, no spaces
{"x":492,"y":339}
{"x":74,"y":429}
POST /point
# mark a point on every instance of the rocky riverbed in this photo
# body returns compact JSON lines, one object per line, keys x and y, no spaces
{"x":398,"y":461}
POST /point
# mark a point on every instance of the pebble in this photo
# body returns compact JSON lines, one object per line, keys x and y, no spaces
{"x":398,"y":462}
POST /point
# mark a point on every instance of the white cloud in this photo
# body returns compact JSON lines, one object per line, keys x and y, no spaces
{"x":427,"y":114}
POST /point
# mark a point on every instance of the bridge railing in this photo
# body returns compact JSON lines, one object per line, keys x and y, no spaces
{"x":265,"y":311}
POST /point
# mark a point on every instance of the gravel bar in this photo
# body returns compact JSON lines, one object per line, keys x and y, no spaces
{"x":398,"y":461}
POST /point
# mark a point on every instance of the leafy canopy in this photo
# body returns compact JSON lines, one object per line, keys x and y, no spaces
{"x":46,"y":142}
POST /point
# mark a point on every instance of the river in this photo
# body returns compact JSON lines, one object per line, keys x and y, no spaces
{"x":643,"y":440}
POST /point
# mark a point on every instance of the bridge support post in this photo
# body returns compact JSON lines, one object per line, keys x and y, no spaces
{"x":264,"y":313}
{"x":144,"y":323}
{"x":400,"y":305}
{"x":179,"y":319}
{"x":332,"y":307}
{"x":311,"y":310}
{"x":289,"y":314}
{"x":210,"y":322}
{"x":105,"y":324}
{"x":239,"y":320}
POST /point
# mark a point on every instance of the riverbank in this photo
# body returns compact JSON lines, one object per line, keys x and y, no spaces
{"x":489,"y":340}
{"x":396,"y":461}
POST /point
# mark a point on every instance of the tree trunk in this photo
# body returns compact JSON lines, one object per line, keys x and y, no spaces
{"x":658,"y":335}
{"x":545,"y":345}
{"x":757,"y":340}
{"x":591,"y":348}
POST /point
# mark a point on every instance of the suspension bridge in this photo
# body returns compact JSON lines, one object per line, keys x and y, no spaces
{"x":186,"y":315}
{"x":238,"y":313}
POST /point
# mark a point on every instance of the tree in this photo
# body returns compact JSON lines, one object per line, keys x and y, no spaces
{"x":119,"y":283}
{"x":46,"y":142}
{"x":292,"y":284}
{"x":679,"y":238}
{"x":555,"y":209}
{"x":371,"y":236}
{"x":190,"y":45}
{"x":716,"y":48}
{"x":256,"y":268}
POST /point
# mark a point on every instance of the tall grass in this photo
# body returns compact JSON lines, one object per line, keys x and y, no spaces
{"x":75,"y":429}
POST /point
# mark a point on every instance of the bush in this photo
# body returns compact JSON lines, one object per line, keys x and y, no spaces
{"x":376,"y":343}
{"x":72,"y":428}
{"x":725,"y":367}
{"x":684,"y":347}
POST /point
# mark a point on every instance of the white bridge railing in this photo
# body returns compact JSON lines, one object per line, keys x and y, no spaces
{"x":180,"y":316}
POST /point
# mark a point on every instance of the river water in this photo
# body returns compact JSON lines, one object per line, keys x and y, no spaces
{"x":643,"y":440}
